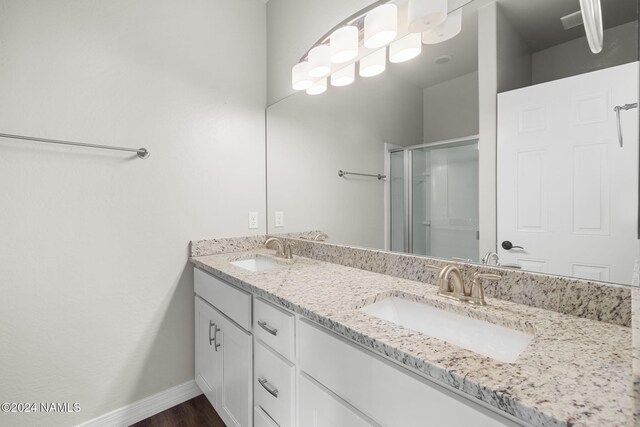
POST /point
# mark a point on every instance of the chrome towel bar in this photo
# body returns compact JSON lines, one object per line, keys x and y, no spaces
{"x":342,"y":174}
{"x":143,"y":153}
{"x":617,"y":109}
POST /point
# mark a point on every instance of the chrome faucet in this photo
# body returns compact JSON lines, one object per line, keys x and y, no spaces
{"x":451,"y":285}
{"x":284,"y":249}
{"x":321,"y":237}
{"x":489,"y":256}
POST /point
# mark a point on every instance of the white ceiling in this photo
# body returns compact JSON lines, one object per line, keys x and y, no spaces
{"x":538,"y":22}
{"x":423,"y":72}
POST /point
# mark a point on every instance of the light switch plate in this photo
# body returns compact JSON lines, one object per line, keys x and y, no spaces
{"x":279,"y":219}
{"x":253,"y":220}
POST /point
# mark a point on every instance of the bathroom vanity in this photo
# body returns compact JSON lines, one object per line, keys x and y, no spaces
{"x":305,"y":342}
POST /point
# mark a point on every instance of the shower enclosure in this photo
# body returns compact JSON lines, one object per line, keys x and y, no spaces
{"x":433,"y":199}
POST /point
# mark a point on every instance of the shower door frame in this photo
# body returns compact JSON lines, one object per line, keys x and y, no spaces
{"x":408,"y":186}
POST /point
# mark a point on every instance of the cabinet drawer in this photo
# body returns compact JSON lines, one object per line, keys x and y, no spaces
{"x":389,"y":395}
{"x":233,"y":302}
{"x":273,"y":384}
{"x":318,"y":408}
{"x":261,"y":419}
{"x":275,"y":327}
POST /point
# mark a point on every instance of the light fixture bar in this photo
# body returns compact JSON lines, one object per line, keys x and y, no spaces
{"x":357,"y":19}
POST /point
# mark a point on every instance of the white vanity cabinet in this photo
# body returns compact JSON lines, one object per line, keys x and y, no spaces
{"x":223,"y":349}
{"x":274,"y":380}
{"x":388,"y":395}
{"x":293,"y":373}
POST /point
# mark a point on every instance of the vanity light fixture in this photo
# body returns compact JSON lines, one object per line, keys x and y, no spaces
{"x":450,"y":28}
{"x":592,"y":18}
{"x":300,"y":76}
{"x":426,"y":14}
{"x":320,"y":61}
{"x":344,"y":44}
{"x":344,"y":76}
{"x":406,"y":48}
{"x":381,"y":26}
{"x":363,"y":37}
{"x":374,"y":63}
{"x":318,"y":87}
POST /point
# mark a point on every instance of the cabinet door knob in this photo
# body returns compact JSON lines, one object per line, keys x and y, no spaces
{"x":263,"y":325}
{"x":270,"y":389}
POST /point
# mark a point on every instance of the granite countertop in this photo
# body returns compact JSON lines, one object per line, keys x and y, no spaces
{"x":575,"y":372}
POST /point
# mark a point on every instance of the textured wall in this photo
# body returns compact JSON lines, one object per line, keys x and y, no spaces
{"x":451,"y":109}
{"x":575,"y":57}
{"x":97,"y":296}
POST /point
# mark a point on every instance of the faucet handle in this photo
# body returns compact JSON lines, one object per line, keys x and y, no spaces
{"x":477,"y":290}
{"x":288,"y":249}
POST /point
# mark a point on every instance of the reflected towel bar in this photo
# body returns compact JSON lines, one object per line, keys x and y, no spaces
{"x":617,"y":109}
{"x":342,"y":174}
{"x":141,"y":152}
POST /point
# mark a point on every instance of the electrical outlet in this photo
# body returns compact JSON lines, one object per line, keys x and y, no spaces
{"x":253,"y":220}
{"x":279,"y":219}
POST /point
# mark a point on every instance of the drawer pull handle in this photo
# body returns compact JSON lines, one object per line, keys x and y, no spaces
{"x":215,"y":335}
{"x":270,"y":389}
{"x":263,"y":325}
{"x":211,"y":324}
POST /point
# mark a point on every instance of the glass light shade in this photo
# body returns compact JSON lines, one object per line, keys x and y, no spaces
{"x":592,"y":18}
{"x":406,"y":48}
{"x":380,"y":26}
{"x":320,"y":61}
{"x":318,"y":87}
{"x":344,"y":44}
{"x":450,"y":28}
{"x":374,"y":63}
{"x":300,"y":79}
{"x":426,"y":14}
{"x":345,"y":76}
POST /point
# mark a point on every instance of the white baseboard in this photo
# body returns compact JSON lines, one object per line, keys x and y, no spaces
{"x":147,"y":407}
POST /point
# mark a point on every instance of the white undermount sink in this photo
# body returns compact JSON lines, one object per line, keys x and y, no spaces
{"x":256,"y":263}
{"x":495,"y":341}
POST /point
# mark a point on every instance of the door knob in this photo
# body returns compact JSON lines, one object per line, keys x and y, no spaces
{"x":507,"y":245}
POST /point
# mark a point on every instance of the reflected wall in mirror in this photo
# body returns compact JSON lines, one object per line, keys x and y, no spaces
{"x":544,"y":162}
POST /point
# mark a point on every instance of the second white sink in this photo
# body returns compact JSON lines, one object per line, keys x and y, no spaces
{"x":495,"y":341}
{"x":256,"y":263}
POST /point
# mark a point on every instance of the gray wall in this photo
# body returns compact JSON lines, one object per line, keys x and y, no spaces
{"x":293,"y":26}
{"x":575,"y":57}
{"x":312,"y":137}
{"x":451,"y":109}
{"x":514,"y":56}
{"x":97,"y":294}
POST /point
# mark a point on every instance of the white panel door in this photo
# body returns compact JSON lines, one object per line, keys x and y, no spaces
{"x":567,"y":191}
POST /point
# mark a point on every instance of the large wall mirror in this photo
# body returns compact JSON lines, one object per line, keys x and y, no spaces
{"x":512,"y":137}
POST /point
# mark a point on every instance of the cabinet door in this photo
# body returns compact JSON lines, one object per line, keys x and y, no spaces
{"x":235,"y":363}
{"x":206,"y":370}
{"x":319,"y":409}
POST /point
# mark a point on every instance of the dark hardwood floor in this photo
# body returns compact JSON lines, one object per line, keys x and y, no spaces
{"x":192,"y":413}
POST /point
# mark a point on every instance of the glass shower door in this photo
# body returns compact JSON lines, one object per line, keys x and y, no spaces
{"x":397,"y":202}
{"x":444,"y":200}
